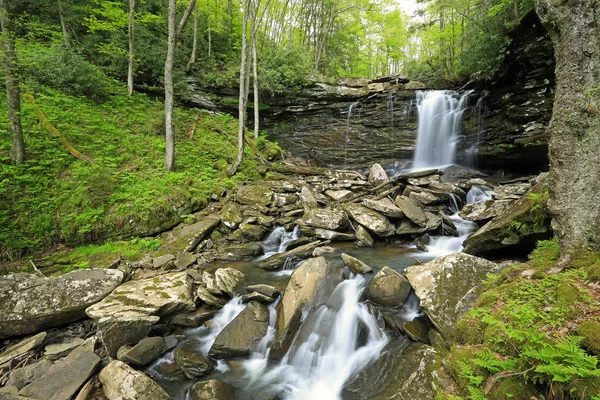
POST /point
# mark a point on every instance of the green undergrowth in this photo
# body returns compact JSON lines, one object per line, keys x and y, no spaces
{"x":532,"y":334}
{"x":53,"y":197}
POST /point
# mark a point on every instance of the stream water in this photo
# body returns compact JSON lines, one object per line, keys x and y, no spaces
{"x":340,"y":337}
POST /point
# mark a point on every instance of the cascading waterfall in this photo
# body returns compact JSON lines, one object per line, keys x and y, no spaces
{"x":443,"y":245}
{"x":440,"y":119}
{"x":325,"y":352}
{"x":350,"y":110}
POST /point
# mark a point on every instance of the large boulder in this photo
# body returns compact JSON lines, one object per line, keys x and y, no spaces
{"x":299,"y":253}
{"x":229,"y":280}
{"x":30,"y":303}
{"x":121,"y":382}
{"x":388,"y":288}
{"x":160,"y":296}
{"x":413,"y":210}
{"x":301,"y":294}
{"x":518,"y":229}
{"x":326,"y":218}
{"x":370,"y":219}
{"x":242,"y":336}
{"x":384,"y":206}
{"x":377,"y":175}
{"x":448,"y":286}
{"x":404,"y":371}
{"x":65,"y":377}
{"x":189,"y":236}
{"x":120,"y":330}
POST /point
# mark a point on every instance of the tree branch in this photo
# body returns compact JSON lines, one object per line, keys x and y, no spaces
{"x":184,"y":18}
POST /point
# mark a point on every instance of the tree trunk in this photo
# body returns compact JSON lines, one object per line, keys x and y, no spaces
{"x":574,"y":130}
{"x":13,"y":93}
{"x":61,"y":15}
{"x":255,"y":78}
{"x":169,"y":128}
{"x":194,"y":43}
{"x":209,"y":32}
{"x":131,"y":54}
{"x":243,"y":92}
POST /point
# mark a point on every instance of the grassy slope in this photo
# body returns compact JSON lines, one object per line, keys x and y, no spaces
{"x":53,"y":197}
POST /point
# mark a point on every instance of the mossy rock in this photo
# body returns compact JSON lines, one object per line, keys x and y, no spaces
{"x":457,"y":358}
{"x":590,"y":330}
{"x":469,"y":331}
{"x":513,"y":387}
{"x":593,"y":272}
{"x":582,"y":258}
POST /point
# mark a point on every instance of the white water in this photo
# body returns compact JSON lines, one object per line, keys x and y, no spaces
{"x":325,"y":352}
{"x":220,"y":321}
{"x":278,"y":241}
{"x":440,"y":119}
{"x":444,"y":245}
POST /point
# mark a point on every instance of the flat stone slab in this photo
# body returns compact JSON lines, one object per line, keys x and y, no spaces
{"x":30,"y":303}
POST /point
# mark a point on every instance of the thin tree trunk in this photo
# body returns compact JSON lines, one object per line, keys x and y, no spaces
{"x":62,"y":22}
{"x":209,"y":32}
{"x":13,"y":94}
{"x":229,"y":22}
{"x":131,"y":48}
{"x":574,"y":130}
{"x":243,"y":93}
{"x":194,"y":43}
{"x":169,"y":89}
{"x":169,"y":128}
{"x":255,"y":77}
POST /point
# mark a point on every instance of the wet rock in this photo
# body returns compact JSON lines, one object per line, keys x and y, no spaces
{"x":301,"y":241}
{"x":211,"y":390}
{"x":185,"y":260}
{"x":299,"y":253}
{"x":229,"y":280}
{"x":255,"y":296}
{"x":388,"y":288}
{"x":58,"y":300}
{"x":21,"y":348}
{"x":448,"y":286}
{"x":161,"y":296}
{"x":21,"y":377}
{"x":267,"y":290}
{"x":254,"y":195}
{"x":210,"y":283}
{"x":321,"y":251}
{"x":309,"y":200}
{"x":412,"y":210}
{"x":63,"y":379}
{"x":355,"y":265}
{"x":145,"y":351}
{"x":195,"y":318}
{"x":417,"y":330}
{"x":384,"y":206}
{"x":363,"y":237}
{"x":59,"y":350}
{"x":334,"y":236}
{"x":339,"y":195}
{"x":243,"y":334}
{"x":370,"y":219}
{"x":407,"y":227}
{"x":301,"y":294}
{"x":231,"y":215}
{"x":377,"y":175}
{"x":121,"y":330}
{"x":121,"y":382}
{"x":192,"y":362}
{"x":243,"y":250}
{"x":404,"y":371}
{"x":163,"y":262}
{"x":252,"y":233}
{"x":485,"y":210}
{"x":209,"y":298}
{"x":518,"y":229}
{"x":326,"y":218}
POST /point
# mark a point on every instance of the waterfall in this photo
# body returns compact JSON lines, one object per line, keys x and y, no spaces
{"x":326,"y":350}
{"x":350,"y":109}
{"x":440,"y":119}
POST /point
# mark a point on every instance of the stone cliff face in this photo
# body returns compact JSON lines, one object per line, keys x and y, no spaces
{"x":358,"y":121}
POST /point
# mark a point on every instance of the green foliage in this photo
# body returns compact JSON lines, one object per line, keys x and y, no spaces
{"x":523,"y":322}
